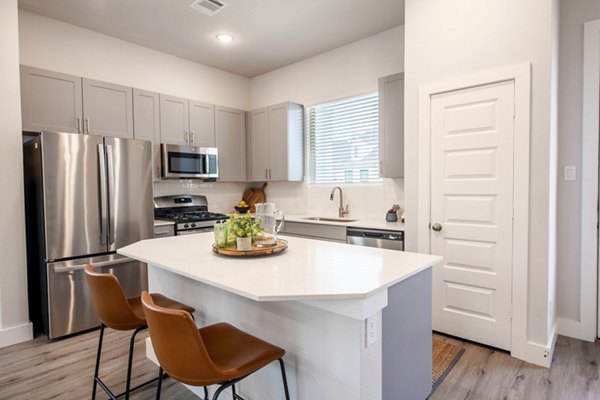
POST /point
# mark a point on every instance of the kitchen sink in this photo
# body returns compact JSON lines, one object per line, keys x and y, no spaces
{"x":329,"y":219}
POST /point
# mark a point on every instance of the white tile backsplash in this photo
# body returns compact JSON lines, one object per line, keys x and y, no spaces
{"x":369,"y":201}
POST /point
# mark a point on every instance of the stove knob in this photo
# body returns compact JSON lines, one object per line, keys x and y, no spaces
{"x":186,"y":225}
{"x":193,"y":225}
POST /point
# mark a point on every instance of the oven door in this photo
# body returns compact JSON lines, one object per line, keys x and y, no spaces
{"x":185,"y":162}
{"x":196,"y":230}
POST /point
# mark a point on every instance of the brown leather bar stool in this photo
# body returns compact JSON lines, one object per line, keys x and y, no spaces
{"x":123,"y":314}
{"x":216,"y":354}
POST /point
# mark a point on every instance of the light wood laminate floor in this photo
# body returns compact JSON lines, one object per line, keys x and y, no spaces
{"x":40,"y":369}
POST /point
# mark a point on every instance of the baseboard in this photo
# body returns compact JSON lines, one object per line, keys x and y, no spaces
{"x":535,"y":353}
{"x":16,"y":334}
{"x":573,"y":329}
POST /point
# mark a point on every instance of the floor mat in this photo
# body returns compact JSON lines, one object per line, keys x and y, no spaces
{"x":444,"y":357}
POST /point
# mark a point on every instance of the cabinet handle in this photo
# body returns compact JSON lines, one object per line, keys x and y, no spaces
{"x":269,"y":173}
{"x":78,"y":125}
{"x":187,"y":138}
{"x":266,"y":173}
{"x":87,"y":128}
{"x":192,"y":141}
{"x":381,"y":167}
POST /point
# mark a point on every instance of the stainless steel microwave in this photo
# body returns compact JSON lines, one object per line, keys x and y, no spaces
{"x":187,"y":162}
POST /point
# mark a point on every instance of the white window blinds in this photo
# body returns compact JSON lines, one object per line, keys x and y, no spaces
{"x":343,"y":140}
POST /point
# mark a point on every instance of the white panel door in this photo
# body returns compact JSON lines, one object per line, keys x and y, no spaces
{"x":471,"y":201}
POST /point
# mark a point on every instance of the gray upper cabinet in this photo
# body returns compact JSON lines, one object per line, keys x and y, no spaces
{"x":258,"y":145}
{"x":146,"y":124}
{"x":230,"y":133}
{"x":174,"y":120}
{"x":50,"y":101}
{"x":107,"y":109}
{"x":186,"y":122}
{"x":66,"y":103}
{"x":202,"y":124}
{"x":391,"y":126}
{"x":276,"y":143}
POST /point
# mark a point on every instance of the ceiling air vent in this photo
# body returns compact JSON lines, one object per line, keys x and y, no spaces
{"x":208,"y":7}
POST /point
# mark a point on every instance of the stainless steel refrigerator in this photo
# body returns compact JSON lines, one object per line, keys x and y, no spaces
{"x":86,"y":196}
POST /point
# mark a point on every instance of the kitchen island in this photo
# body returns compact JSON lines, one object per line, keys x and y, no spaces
{"x":355,"y":321}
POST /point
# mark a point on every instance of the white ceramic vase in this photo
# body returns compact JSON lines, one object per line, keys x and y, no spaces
{"x":243,"y":243}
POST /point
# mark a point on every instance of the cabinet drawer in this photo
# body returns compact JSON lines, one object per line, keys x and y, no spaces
{"x":317,"y":231}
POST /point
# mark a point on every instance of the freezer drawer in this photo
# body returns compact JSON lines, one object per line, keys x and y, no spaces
{"x":70,"y":308}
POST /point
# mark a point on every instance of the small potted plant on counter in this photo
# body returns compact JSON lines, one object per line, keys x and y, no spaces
{"x":245,"y":228}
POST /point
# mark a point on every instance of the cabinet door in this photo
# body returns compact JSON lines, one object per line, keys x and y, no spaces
{"x":50,"y":101}
{"x":259,"y":145}
{"x":230,"y":133}
{"x":107,"y":109}
{"x":202,"y":124}
{"x":278,"y":135}
{"x":391,"y":126}
{"x":174,"y":120}
{"x":146,"y":124}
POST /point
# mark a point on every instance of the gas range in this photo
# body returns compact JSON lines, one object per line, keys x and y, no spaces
{"x":189,"y":212}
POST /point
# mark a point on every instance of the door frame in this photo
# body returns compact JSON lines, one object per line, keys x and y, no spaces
{"x":521,"y":75}
{"x":589,"y":179}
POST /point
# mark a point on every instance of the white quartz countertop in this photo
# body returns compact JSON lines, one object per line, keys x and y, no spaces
{"x":308,"y":270}
{"x":357,"y":223}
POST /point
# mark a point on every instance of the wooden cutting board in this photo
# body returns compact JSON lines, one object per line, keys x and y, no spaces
{"x":255,"y":195}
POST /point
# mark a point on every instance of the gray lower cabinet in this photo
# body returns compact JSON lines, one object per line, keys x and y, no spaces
{"x":186,"y":122}
{"x":230,"y":135}
{"x":146,"y":124}
{"x":391,"y":126}
{"x":333,"y":233}
{"x":276,"y":143}
{"x":50,"y":101}
{"x":66,"y":103}
{"x":107,"y":109}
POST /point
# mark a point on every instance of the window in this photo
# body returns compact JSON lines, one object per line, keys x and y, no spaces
{"x":343,"y":140}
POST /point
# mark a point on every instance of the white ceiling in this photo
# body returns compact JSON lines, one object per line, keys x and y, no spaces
{"x":268,"y":34}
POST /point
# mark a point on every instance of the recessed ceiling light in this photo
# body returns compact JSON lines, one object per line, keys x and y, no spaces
{"x":224,"y":38}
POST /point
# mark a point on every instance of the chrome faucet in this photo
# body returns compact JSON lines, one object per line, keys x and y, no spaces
{"x":341,"y":211}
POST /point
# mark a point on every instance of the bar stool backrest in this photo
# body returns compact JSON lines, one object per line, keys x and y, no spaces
{"x":110,"y":302}
{"x":178,"y":345}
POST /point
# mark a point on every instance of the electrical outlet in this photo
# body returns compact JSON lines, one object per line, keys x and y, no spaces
{"x":370,"y":331}
{"x":570,"y":173}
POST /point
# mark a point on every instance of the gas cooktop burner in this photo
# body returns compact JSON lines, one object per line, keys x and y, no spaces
{"x":194,"y":216}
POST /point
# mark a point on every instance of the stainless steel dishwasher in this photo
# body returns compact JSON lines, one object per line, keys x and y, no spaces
{"x":382,"y":239}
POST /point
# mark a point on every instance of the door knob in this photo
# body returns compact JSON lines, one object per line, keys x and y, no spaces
{"x":436,"y":227}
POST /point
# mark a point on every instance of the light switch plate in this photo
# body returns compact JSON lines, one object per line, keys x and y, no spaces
{"x":570,"y":173}
{"x":370,"y":331}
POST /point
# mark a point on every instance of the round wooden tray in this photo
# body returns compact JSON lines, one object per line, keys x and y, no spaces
{"x":254,"y":251}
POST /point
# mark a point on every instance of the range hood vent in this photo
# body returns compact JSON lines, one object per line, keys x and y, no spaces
{"x":208,"y":7}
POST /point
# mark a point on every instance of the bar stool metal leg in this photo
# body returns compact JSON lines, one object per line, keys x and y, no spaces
{"x":285,"y":385}
{"x":130,"y":361}
{"x":159,"y":386}
{"x":95,"y":385}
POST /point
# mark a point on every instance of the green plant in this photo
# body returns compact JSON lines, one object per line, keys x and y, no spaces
{"x":244,"y":225}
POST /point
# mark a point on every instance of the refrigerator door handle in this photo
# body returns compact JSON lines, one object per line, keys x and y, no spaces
{"x":111,"y":194}
{"x":99,"y":264}
{"x":103,"y":195}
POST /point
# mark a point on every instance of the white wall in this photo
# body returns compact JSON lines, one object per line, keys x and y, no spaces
{"x":58,"y":46}
{"x":343,"y":72}
{"x":449,"y":38}
{"x":14,"y":316}
{"x":574,"y":13}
